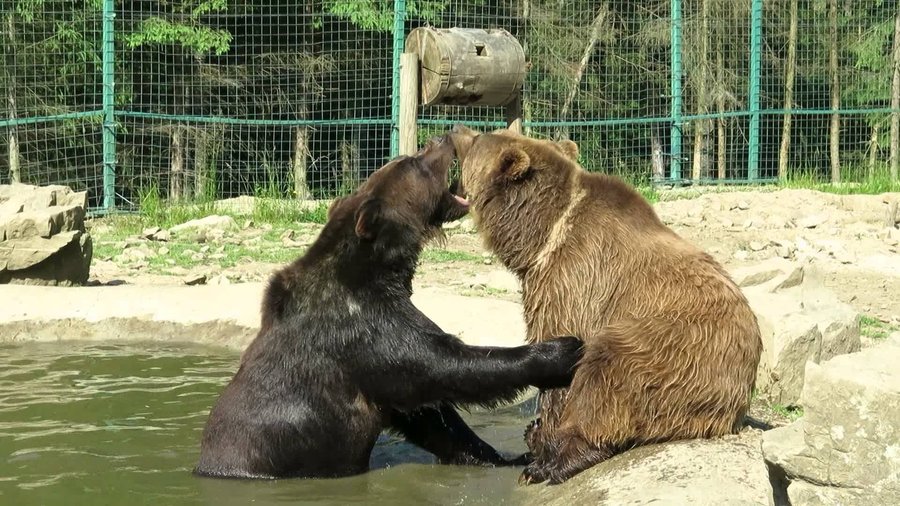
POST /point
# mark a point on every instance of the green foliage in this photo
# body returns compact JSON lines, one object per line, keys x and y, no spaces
{"x":855,"y":181}
{"x":874,"y":328}
{"x":792,"y":413}
{"x":437,"y":255}
{"x":378,"y":15}
{"x":199,"y":39}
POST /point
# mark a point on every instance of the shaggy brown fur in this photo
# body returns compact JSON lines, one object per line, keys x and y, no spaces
{"x":672,"y":346}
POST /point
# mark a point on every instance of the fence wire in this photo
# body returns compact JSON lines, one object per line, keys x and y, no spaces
{"x":210,"y":99}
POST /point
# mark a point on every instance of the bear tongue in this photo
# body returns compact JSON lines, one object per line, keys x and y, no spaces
{"x":461,"y":201}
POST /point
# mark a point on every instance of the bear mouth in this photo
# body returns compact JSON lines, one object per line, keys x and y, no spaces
{"x":453,"y":206}
{"x":458,"y":193}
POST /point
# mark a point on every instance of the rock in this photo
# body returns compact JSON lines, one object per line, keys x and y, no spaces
{"x":221,"y":279}
{"x":290,"y":243}
{"x":846,"y":447}
{"x":43,"y":239}
{"x":467,"y":225}
{"x":287,"y":234}
{"x":497,"y":279}
{"x":163,"y":236}
{"x":487,"y":258}
{"x":150,"y":232}
{"x":43,"y":222}
{"x":757,"y":246}
{"x":195,"y":279}
{"x":785,"y":250}
{"x":728,"y":470}
{"x":793,"y":279}
{"x":206,"y":229}
{"x":811,"y":221}
{"x":197,"y":257}
{"x":741,"y":255}
{"x":800,"y":321}
{"x":163,"y":251}
{"x":760,"y":273}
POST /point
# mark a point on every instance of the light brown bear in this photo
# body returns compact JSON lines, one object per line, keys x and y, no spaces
{"x":671,"y":344}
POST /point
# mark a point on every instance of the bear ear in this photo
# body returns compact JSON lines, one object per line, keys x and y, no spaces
{"x":368,"y":217}
{"x":514,"y":163}
{"x":569,"y":148}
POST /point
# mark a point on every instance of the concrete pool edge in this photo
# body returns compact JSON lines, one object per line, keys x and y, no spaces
{"x":220,"y":315}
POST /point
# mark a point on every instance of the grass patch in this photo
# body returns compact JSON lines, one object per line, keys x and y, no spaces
{"x":875,"y":328}
{"x":648,"y":192}
{"x":853,"y":183}
{"x":435,"y":255}
{"x":792,"y":413}
{"x":191,"y":255}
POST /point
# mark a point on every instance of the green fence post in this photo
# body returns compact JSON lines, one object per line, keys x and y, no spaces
{"x":399,"y":42}
{"x":756,"y":12}
{"x":109,"y":102}
{"x":675,"y":132}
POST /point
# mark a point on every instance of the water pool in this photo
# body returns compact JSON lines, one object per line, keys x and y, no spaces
{"x":119,"y":424}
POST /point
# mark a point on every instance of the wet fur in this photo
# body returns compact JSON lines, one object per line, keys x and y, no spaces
{"x":672,"y":346}
{"x":342,"y":352}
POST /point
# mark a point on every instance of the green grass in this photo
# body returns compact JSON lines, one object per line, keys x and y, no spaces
{"x":435,"y":255}
{"x":875,"y":328}
{"x":188,"y":256}
{"x":854,"y":181}
{"x":792,"y":413}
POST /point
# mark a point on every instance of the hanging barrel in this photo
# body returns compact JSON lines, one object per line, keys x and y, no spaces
{"x":467,"y":66}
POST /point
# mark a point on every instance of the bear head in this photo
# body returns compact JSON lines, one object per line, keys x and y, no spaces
{"x":519,"y":188}
{"x":408,"y":198}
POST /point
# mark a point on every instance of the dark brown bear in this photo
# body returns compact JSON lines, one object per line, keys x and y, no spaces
{"x":671,"y":344}
{"x":343,"y":353}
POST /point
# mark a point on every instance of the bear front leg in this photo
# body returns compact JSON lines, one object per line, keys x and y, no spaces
{"x":442,"y":432}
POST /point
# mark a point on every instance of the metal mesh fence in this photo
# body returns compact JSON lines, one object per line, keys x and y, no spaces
{"x":209,"y":99}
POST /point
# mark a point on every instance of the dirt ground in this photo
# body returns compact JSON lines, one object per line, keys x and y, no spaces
{"x":848,"y":235}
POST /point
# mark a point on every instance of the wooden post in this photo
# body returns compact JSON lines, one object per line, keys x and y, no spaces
{"x":409,"y":101}
{"x":513,"y":113}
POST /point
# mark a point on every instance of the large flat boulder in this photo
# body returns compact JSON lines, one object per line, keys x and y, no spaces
{"x":846,"y":448}
{"x":728,"y":470}
{"x":42,"y":235}
{"x":800,"y":320}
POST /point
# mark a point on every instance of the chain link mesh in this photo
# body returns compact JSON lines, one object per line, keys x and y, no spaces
{"x":220,"y":98}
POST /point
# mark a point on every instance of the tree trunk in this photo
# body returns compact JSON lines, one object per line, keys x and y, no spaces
{"x":299,"y":162}
{"x":596,"y":26}
{"x":873,"y":151}
{"x":177,"y":167}
{"x":835,"y":134}
{"x":700,"y":126}
{"x":657,"y":160}
{"x":208,"y":148}
{"x":721,"y":155}
{"x":349,"y":166}
{"x":789,"y":71}
{"x":201,"y":164}
{"x":15,"y":174}
{"x":526,"y":104}
{"x":895,"y":103}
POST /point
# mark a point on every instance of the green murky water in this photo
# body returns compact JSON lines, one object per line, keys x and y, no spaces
{"x":119,"y":424}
